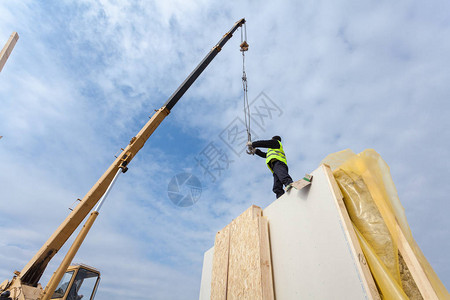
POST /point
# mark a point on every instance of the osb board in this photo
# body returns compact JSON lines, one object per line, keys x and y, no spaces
{"x":241,"y":266}
{"x":244,"y":274}
{"x":219,"y":277}
{"x":312,"y":256}
{"x":265,"y":259}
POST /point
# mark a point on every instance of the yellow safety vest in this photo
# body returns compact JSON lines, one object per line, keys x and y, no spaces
{"x":275,"y":154}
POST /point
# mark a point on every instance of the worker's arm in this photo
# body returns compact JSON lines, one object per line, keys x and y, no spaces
{"x":266,"y":144}
{"x":260,"y":153}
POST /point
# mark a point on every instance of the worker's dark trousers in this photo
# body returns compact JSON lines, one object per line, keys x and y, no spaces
{"x":280,"y":177}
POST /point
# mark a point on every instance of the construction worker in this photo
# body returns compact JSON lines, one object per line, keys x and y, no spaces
{"x":275,"y":160}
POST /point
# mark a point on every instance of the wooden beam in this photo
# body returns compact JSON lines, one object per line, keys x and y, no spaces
{"x":415,"y":268}
{"x":355,"y":247}
{"x":6,"y":51}
{"x":219,"y":277}
{"x":265,"y":260}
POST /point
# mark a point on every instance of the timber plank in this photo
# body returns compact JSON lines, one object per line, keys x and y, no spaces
{"x":7,"y":49}
{"x":362,"y":265}
{"x":265,"y":260}
{"x":414,"y":266}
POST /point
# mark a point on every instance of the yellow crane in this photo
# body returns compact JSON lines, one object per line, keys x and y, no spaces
{"x":81,"y":281}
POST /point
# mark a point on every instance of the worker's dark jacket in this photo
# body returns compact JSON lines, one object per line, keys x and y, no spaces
{"x":274,"y":144}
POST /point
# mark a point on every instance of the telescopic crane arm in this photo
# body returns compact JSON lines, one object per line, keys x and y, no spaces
{"x":32,"y":272}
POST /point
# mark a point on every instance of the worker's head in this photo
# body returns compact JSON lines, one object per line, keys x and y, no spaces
{"x":277,"y":137}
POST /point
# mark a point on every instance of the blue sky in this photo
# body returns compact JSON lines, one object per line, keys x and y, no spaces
{"x":85,"y":75}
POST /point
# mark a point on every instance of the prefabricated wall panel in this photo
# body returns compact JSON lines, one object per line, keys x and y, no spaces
{"x":314,"y":251}
{"x":313,"y":256}
{"x":241,"y":264}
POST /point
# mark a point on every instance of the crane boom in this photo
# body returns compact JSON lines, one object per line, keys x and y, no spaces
{"x":32,"y":272}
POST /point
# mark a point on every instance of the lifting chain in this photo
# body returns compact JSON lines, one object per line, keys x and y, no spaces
{"x":244,"y":48}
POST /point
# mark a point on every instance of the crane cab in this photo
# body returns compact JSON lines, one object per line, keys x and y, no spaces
{"x":79,"y":282}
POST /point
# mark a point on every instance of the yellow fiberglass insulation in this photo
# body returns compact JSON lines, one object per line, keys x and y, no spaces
{"x":379,"y":220}
{"x":367,"y":218}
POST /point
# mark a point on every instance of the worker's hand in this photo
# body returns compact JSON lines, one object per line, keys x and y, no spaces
{"x":249,"y":144}
{"x":251,"y":150}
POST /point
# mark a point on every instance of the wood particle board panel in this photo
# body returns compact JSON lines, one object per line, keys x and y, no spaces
{"x":241,"y":266}
{"x":415,"y":268}
{"x":219,"y":277}
{"x":265,"y":260}
{"x":244,"y":277}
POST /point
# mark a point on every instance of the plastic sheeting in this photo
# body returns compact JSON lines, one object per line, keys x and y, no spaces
{"x":375,"y":210}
